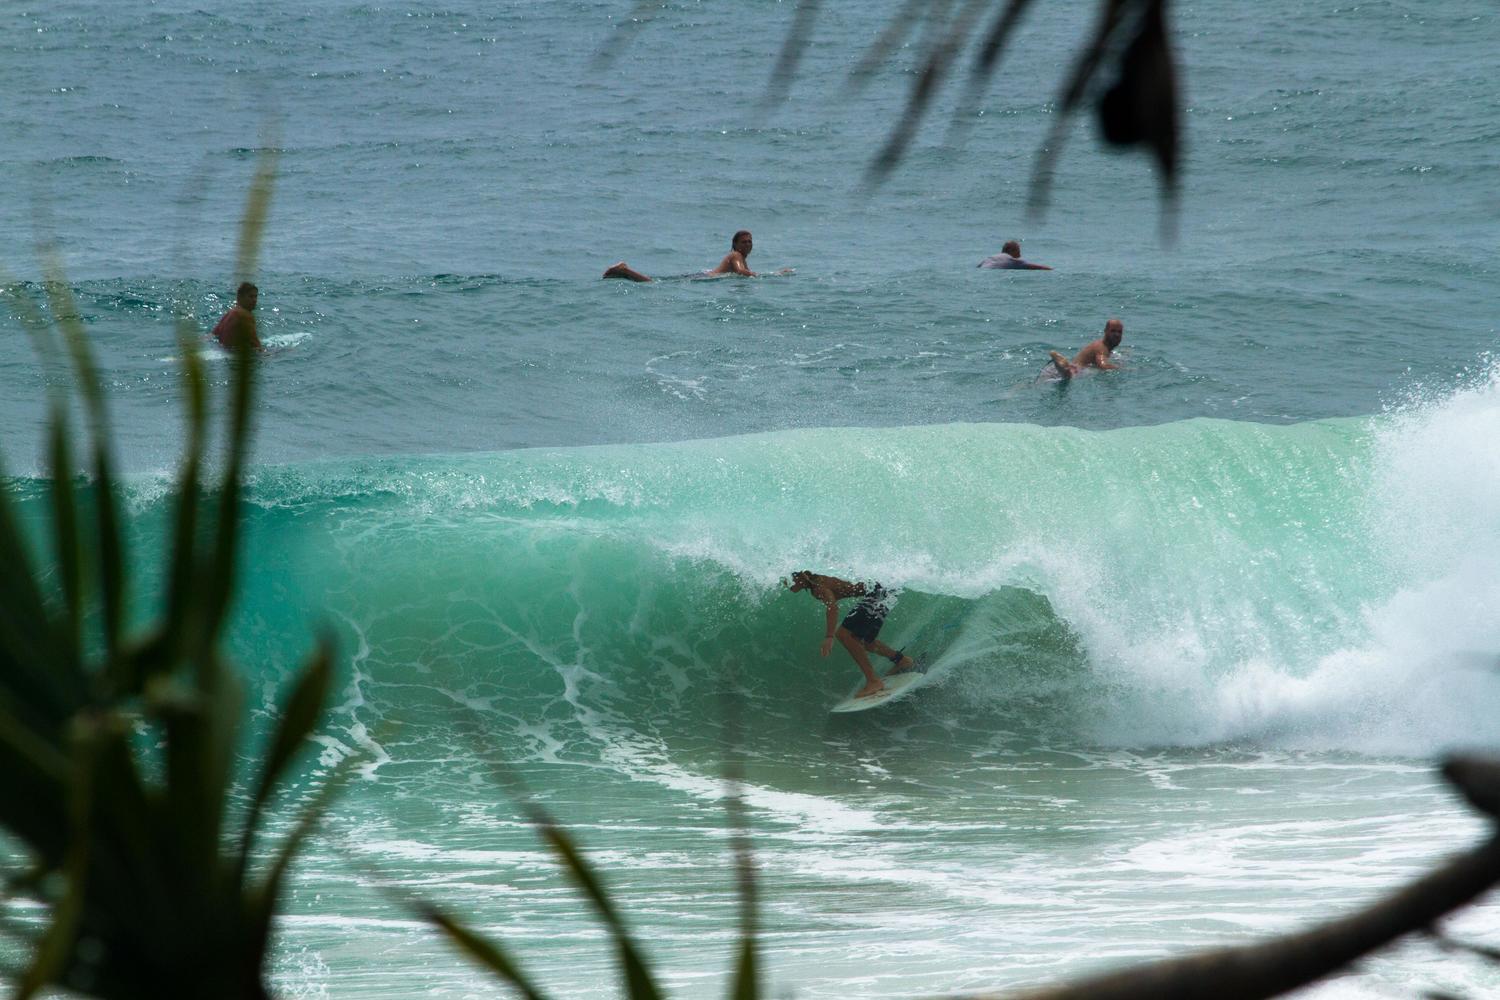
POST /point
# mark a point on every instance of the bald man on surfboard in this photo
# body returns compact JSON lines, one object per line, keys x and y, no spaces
{"x":1095,"y":355}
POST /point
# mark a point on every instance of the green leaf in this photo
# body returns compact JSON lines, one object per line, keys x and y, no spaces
{"x":65,"y":536}
{"x":222,"y":560}
{"x":31,"y":318}
{"x":262,"y":901}
{"x":482,"y":950}
{"x":56,"y":947}
{"x":299,"y":717}
{"x":221,"y":570}
{"x":28,"y":641}
{"x":637,"y":975}
{"x":257,"y":210}
{"x":201,"y":727}
{"x":111,"y":558}
{"x":75,"y":338}
{"x":745,"y":984}
{"x":136,"y":869}
{"x":182,"y":583}
{"x":37,"y":774}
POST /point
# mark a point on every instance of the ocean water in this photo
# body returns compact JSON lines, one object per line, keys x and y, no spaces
{"x":1199,"y":629}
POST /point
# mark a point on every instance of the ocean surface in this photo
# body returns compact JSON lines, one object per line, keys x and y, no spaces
{"x":1199,"y":629}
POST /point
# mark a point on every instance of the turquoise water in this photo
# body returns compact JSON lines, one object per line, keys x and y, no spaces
{"x":1198,"y":628}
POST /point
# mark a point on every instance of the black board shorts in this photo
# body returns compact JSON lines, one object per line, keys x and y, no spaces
{"x":868,"y":615}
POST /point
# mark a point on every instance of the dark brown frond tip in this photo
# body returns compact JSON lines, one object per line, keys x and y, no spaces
{"x":891,"y":38}
{"x":623,"y":33}
{"x":792,"y":48}
{"x":940,"y":59}
{"x":1478,"y":778}
{"x":1486,"y":952}
{"x":1140,"y":107}
{"x":987,"y":60}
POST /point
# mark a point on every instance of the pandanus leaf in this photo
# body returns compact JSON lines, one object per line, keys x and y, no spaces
{"x":299,"y":716}
{"x":487,"y":953}
{"x":56,"y":948}
{"x":638,"y":978}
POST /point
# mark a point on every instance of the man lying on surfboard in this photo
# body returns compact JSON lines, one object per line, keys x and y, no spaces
{"x":1009,"y":259}
{"x":859,"y":628}
{"x":740,"y":245}
{"x":1095,"y":355}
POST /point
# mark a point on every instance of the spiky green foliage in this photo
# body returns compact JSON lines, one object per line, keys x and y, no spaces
{"x":118,"y":752}
{"x":637,"y":979}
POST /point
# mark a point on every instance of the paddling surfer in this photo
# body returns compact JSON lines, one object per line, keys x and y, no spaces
{"x":239,"y":321}
{"x":1009,"y":259}
{"x":740,"y":246}
{"x":859,"y":628}
{"x":1095,"y":355}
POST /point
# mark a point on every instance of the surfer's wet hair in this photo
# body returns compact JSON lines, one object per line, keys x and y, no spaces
{"x":1012,"y":248}
{"x":242,"y":292}
{"x":736,"y":237}
{"x":802,"y":576}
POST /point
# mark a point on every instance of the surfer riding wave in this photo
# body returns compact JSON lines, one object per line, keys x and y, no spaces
{"x":859,"y":629}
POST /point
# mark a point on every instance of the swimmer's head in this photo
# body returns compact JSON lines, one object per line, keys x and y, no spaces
{"x":246,"y":295}
{"x":1012,"y":247}
{"x":742,"y":242}
{"x":801,"y":580}
{"x":1114,"y":332}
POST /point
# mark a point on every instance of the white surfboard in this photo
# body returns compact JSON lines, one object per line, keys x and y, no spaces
{"x":897,"y":686}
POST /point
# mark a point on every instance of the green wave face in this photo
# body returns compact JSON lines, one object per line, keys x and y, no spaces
{"x":1188,"y":583}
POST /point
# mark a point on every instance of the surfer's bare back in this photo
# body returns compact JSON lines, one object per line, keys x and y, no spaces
{"x":1009,"y":259}
{"x":859,"y":628}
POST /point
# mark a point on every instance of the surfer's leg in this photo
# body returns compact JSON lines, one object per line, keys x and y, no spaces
{"x":902,"y":661}
{"x":856,"y":650}
{"x":623,"y":270}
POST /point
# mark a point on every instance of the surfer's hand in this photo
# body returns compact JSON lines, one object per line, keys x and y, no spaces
{"x":827,"y":645}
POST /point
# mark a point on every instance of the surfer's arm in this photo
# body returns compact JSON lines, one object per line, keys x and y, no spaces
{"x":247,"y":327}
{"x":734,"y":263}
{"x":831,"y":627}
{"x":1027,"y":265}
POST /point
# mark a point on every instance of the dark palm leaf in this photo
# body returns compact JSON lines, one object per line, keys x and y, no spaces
{"x":888,"y":41}
{"x":299,"y":717}
{"x":934,"y":71}
{"x":487,"y":953}
{"x":792,"y":47}
{"x":638,"y":977}
{"x":987,"y":60}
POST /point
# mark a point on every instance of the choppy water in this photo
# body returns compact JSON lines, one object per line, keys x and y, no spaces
{"x":1199,"y":628}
